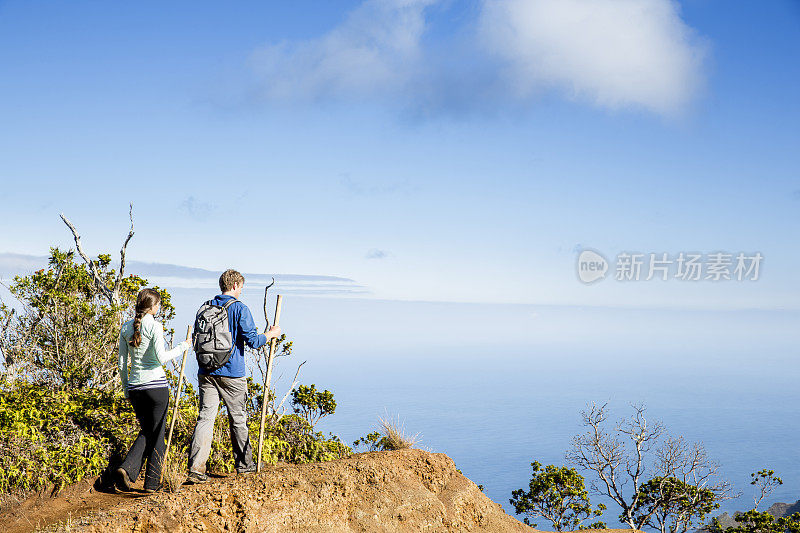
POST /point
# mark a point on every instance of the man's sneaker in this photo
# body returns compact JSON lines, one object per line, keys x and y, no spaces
{"x":246,"y":470}
{"x":123,"y":481}
{"x":151,"y":491}
{"x":196,"y":477}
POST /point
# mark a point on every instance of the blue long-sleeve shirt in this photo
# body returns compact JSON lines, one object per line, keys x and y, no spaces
{"x":243,"y":330}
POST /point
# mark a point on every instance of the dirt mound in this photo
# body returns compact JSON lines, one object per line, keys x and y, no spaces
{"x":407,"y":490}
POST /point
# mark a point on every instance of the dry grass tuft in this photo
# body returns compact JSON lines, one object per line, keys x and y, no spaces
{"x":174,"y":474}
{"x":395,"y":434}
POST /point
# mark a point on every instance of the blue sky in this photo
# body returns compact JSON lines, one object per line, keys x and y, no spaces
{"x":436,"y":150}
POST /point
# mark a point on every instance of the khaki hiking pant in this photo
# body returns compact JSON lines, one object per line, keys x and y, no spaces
{"x":232,"y":392}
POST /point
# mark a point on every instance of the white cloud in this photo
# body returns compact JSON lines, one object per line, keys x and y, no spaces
{"x":613,"y":53}
{"x":370,"y":53}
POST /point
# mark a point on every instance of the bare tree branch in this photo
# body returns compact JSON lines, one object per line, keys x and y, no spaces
{"x":113,"y":295}
{"x":91,"y":264}
{"x":121,"y":273}
{"x":291,"y":388}
{"x":600,"y":452}
{"x":683,"y":482}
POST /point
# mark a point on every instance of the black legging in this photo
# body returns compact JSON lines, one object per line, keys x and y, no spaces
{"x":150,"y":406}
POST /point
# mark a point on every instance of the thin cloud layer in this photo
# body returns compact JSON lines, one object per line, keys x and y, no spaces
{"x":375,"y":253}
{"x":368,"y":54}
{"x":197,"y":209}
{"x":610,"y":53}
{"x":182,"y":277}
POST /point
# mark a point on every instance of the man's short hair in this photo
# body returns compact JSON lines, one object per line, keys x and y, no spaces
{"x":229,"y":278}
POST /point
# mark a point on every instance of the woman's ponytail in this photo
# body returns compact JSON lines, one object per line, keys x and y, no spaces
{"x":136,"y":340}
{"x":147,"y":299}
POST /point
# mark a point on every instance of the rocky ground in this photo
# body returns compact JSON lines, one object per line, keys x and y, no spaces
{"x":398,"y":491}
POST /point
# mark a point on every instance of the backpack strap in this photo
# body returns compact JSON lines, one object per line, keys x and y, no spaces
{"x":228,"y":303}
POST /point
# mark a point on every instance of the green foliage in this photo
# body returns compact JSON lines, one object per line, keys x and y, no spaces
{"x":311,"y":404}
{"x":557,"y":494}
{"x":375,"y":441}
{"x":293,"y":437}
{"x":765,"y":481}
{"x":755,"y":521}
{"x":58,"y":437}
{"x":670,"y":504}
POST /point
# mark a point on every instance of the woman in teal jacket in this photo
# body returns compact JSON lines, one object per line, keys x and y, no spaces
{"x":142,"y":341}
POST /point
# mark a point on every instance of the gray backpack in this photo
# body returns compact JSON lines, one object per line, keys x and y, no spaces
{"x":213,"y":341}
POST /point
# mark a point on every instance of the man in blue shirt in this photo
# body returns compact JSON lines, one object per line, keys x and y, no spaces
{"x":228,"y":383}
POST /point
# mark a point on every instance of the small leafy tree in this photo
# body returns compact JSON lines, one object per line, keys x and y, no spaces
{"x":311,"y":404}
{"x":765,"y":481}
{"x":557,"y":494}
{"x":67,"y":330}
{"x":672,"y":504}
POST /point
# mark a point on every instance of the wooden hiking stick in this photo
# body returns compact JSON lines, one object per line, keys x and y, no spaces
{"x":272,"y":343}
{"x":266,"y":289}
{"x":175,"y":408}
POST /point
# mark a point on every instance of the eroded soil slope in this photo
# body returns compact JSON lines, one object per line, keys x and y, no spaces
{"x":407,"y":490}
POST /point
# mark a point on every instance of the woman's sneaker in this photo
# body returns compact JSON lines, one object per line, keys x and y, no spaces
{"x":196,"y":477}
{"x":123,"y":481}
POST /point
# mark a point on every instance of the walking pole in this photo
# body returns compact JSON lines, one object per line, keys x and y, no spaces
{"x":175,"y":408}
{"x":272,"y":344}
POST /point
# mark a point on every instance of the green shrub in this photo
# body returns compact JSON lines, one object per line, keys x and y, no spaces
{"x":373,"y":441}
{"x":58,"y":437}
{"x":51,"y":437}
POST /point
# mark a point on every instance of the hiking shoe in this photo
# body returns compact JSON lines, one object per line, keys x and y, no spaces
{"x":157,"y":489}
{"x":196,"y":477}
{"x":122,"y":481}
{"x":246,"y":470}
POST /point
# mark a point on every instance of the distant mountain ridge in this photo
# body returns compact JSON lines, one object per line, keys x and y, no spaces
{"x":784,"y":509}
